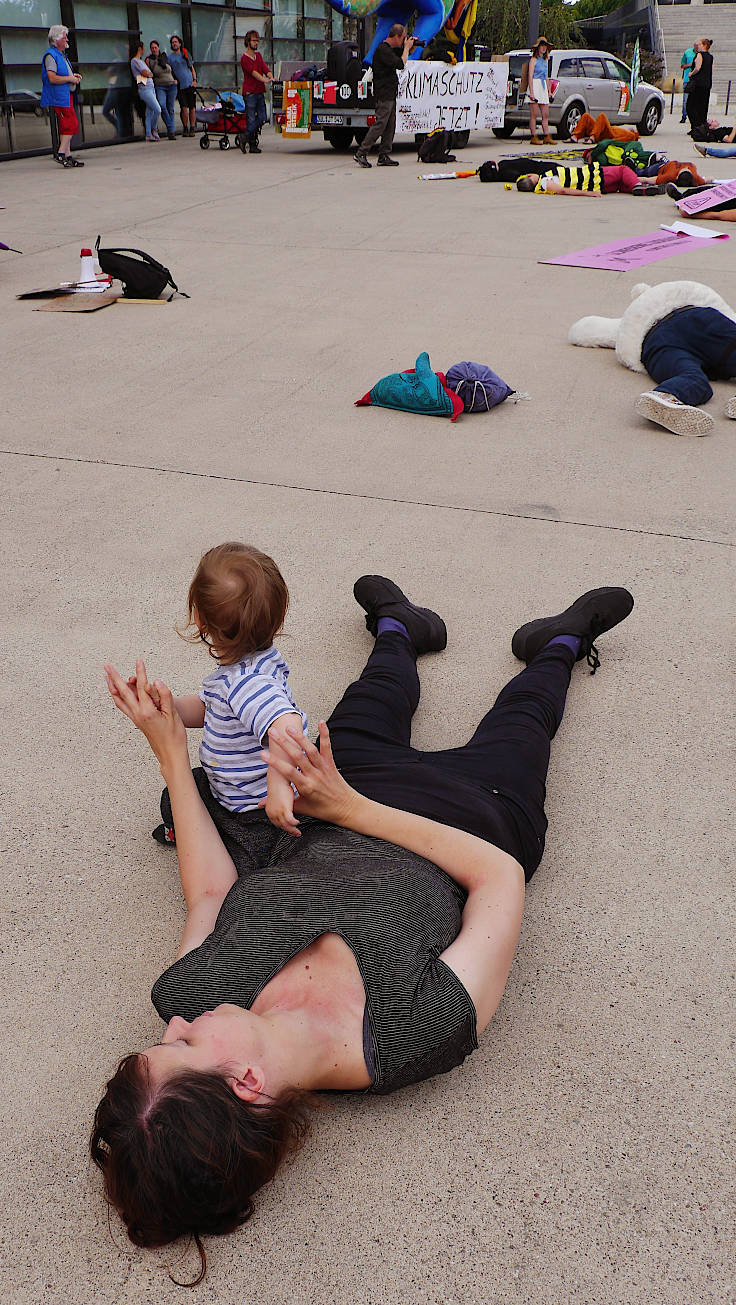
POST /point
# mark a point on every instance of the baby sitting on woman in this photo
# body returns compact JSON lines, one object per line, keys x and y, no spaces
{"x":236,"y":604}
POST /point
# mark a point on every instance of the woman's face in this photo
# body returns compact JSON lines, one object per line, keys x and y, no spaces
{"x":155,"y":47}
{"x":219,"y":1039}
{"x":542,"y":51}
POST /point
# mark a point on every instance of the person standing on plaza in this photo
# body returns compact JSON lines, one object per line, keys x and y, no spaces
{"x":143,"y":78}
{"x":391,"y":55}
{"x":256,"y":76}
{"x":58,"y":81}
{"x":686,"y":64}
{"x":538,"y":90}
{"x":186,"y":79}
{"x":164,"y":85}
{"x":699,"y":84}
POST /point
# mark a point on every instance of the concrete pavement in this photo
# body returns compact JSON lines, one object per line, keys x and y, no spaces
{"x":581,"y":1155}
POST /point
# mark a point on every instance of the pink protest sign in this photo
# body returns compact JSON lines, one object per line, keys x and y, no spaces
{"x":708,"y":198}
{"x":623,"y":255}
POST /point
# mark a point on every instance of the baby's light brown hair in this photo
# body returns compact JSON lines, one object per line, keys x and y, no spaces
{"x":240,"y":599}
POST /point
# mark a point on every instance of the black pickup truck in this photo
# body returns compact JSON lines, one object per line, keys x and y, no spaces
{"x":343,"y":107}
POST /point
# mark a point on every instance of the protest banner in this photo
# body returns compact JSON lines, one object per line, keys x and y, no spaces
{"x":297,"y":103}
{"x":461,"y":97}
{"x":708,"y":198}
{"x":623,"y":255}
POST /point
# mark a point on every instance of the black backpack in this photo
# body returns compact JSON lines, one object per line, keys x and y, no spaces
{"x":142,"y":276}
{"x":436,"y":146}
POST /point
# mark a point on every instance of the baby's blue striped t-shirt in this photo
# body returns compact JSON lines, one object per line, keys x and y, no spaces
{"x":241,"y":704}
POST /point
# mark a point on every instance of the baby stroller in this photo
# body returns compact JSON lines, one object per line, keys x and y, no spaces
{"x":225,"y":116}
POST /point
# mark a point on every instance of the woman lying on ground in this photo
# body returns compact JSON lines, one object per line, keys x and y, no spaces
{"x":367,"y":954}
{"x":725,"y":150}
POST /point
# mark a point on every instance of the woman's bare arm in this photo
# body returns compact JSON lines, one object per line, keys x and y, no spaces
{"x":482,"y":953}
{"x":206,"y":869}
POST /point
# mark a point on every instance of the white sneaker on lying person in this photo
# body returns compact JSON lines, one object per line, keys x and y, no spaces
{"x":680,"y":418}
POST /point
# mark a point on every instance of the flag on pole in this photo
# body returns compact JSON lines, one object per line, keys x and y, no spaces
{"x":635,"y":70}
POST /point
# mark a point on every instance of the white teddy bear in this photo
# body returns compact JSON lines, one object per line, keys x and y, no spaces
{"x":681,"y":333}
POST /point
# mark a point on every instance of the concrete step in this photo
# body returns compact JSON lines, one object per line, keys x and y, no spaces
{"x":683,"y":24}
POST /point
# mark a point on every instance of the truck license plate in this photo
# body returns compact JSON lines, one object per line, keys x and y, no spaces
{"x":328,"y":120}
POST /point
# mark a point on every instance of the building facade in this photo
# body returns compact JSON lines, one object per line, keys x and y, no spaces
{"x":100,"y":34}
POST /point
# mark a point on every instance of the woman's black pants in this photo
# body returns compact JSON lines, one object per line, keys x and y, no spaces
{"x":493,"y":787}
{"x":697,"y":105}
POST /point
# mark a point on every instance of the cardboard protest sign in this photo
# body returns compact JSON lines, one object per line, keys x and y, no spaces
{"x":458,"y":97}
{"x":708,"y":198}
{"x":83,"y":303}
{"x":297,"y":103}
{"x":637,"y":251}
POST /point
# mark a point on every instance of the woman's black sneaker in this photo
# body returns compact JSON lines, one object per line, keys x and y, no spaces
{"x":381,"y":597}
{"x":588,"y":617}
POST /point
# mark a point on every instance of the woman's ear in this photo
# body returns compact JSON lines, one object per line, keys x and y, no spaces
{"x":248,"y":1083}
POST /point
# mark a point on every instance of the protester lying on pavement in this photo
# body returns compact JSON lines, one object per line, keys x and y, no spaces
{"x":681,"y":333}
{"x":646,"y":163}
{"x":368,"y":955}
{"x":711,"y":132}
{"x":587,"y":179}
{"x":591,"y":130}
{"x":722,"y":211}
{"x":726,"y":150}
{"x":513,"y":168}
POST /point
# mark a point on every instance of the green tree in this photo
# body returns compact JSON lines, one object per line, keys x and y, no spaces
{"x":592,"y":8}
{"x":504,"y":24}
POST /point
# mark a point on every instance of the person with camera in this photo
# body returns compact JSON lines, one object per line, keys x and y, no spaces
{"x":390,"y":56}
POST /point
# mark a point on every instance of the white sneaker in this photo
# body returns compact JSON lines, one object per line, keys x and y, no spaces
{"x":667,"y":411}
{"x":731,"y":408}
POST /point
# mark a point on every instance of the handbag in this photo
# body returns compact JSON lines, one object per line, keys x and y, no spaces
{"x":143,"y":277}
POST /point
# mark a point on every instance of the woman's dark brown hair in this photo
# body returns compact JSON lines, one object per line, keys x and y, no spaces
{"x":185,"y":1158}
{"x":239,"y":598}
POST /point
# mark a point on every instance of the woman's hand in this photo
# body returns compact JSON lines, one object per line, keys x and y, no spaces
{"x":323,"y":792}
{"x":152,"y":711}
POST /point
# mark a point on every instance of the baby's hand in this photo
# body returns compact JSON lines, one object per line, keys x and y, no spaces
{"x":280,"y":811}
{"x":153,"y":691}
{"x":279,"y":802}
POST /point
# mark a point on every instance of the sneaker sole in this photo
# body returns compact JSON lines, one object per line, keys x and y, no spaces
{"x":372,"y":591}
{"x":529,"y":639}
{"x":680,"y":421}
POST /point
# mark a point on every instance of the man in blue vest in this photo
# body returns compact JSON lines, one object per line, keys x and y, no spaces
{"x":58,"y":81}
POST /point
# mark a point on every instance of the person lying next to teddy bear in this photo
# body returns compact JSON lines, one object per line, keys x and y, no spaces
{"x":684,"y":335}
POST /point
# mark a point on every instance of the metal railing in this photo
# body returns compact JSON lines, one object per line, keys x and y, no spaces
{"x":655,"y":27}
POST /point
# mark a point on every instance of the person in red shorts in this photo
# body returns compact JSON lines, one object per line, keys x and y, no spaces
{"x":256,"y":77}
{"x":58,"y":81}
